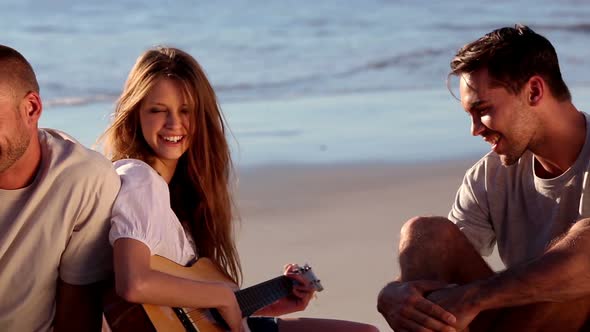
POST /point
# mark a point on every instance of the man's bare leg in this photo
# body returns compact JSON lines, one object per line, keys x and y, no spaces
{"x":433,"y":248}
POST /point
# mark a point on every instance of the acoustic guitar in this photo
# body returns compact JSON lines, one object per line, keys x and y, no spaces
{"x":125,"y":316}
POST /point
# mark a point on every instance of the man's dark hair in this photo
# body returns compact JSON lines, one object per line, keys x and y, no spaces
{"x":512,"y":56}
{"x":16,"y":70}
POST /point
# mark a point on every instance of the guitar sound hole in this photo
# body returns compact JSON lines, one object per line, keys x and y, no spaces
{"x":218,"y":318}
{"x":185,"y":320}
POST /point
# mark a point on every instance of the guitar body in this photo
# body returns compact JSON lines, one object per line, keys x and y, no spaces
{"x":124,"y":316}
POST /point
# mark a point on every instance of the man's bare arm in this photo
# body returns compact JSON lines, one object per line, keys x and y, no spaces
{"x":78,"y":308}
{"x":561,"y":274}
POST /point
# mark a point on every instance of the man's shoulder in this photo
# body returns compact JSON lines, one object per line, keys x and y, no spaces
{"x":491,"y":161}
{"x":70,"y":158}
{"x":490,"y":167}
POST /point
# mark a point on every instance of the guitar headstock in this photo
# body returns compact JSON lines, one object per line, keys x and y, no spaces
{"x":308,"y":274}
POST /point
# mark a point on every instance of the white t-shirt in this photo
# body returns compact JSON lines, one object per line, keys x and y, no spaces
{"x":515,"y":208}
{"x":142,"y":212}
{"x":56,"y":227}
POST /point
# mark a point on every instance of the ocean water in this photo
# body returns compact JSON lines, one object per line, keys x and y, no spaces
{"x":299,"y":81}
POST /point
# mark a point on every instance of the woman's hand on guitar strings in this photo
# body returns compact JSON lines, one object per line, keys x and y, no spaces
{"x":231,"y":312}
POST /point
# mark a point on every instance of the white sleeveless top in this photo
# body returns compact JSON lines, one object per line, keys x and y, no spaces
{"x":142,"y":212}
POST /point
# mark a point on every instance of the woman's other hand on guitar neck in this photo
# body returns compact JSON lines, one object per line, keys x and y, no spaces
{"x":299,"y":298}
{"x":303,"y":290}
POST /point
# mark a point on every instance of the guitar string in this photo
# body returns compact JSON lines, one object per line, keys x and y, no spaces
{"x":257,"y":297}
{"x":253,"y":295}
{"x":253,"y":298}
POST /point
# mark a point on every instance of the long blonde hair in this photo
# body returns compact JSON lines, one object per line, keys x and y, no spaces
{"x":199,"y":189}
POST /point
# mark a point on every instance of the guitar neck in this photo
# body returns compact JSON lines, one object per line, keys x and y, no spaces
{"x":256,"y":297}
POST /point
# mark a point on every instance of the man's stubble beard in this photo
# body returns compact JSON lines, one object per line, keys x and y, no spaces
{"x":14,"y":149}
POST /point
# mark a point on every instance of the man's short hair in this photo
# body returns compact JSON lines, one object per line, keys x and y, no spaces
{"x":16,"y":71}
{"x":512,"y":56}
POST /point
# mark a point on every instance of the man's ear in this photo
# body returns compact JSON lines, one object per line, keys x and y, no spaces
{"x":32,"y":108}
{"x":535,"y":90}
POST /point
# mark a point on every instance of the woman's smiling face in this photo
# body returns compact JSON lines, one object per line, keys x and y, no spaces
{"x":165,"y":120}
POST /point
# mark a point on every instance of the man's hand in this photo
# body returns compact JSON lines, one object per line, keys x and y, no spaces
{"x":458,"y":300}
{"x":404,"y":307}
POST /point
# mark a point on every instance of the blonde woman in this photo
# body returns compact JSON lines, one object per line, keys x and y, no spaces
{"x":168,"y":144}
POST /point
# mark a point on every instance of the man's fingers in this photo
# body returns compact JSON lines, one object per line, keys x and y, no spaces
{"x":429,"y":285}
{"x":405,"y":308}
{"x":396,"y":321}
{"x":411,"y":326}
{"x":414,"y":320}
{"x":433,"y":310}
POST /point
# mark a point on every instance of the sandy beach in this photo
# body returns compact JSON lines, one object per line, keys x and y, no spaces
{"x":344,"y":220}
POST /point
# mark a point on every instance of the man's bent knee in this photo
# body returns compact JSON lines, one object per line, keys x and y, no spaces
{"x":429,"y":228}
{"x":428,"y":235}
{"x":457,"y":261}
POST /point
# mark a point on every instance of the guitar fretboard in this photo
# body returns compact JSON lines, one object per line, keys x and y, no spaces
{"x":254,"y":298}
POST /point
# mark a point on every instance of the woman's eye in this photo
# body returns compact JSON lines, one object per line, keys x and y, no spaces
{"x":156,"y":110}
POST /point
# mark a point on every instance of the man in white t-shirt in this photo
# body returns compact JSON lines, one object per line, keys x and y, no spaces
{"x":55,"y":203}
{"x":528,"y":195}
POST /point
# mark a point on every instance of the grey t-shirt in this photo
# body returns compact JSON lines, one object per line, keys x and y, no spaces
{"x":55,"y":228}
{"x":513,"y":207}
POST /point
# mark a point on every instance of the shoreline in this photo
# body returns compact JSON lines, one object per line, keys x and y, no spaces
{"x":385,"y":127}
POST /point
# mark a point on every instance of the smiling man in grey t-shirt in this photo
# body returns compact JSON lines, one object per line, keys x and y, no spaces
{"x":526,"y":195}
{"x":55,"y":205}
